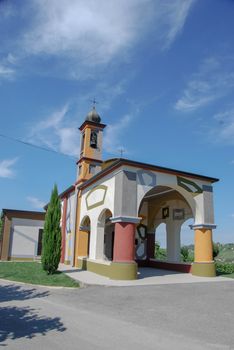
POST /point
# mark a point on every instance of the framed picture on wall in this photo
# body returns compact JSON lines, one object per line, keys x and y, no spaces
{"x":165,"y":212}
{"x":178,"y":214}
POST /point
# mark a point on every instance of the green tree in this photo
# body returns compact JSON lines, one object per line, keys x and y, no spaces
{"x":51,"y":242}
{"x":215,"y":250}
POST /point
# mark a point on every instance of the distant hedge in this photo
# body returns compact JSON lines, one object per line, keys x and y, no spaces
{"x":224,"y":268}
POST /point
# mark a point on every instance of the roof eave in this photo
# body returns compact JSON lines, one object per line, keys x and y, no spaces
{"x":121,"y":161}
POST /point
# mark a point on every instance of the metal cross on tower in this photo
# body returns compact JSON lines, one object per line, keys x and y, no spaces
{"x":121,"y":151}
{"x":94,"y":102}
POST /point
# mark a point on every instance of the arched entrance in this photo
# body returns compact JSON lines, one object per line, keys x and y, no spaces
{"x":160,"y":252}
{"x":164,"y":205}
{"x":105,"y":239}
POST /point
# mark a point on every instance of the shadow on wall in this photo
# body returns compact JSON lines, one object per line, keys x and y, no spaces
{"x":23,"y":322}
{"x":14,"y":292}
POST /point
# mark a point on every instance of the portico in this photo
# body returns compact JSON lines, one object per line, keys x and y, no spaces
{"x":120,"y":204}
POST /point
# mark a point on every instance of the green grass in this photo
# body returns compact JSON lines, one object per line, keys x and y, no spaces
{"x":229,"y":275}
{"x":32,"y":272}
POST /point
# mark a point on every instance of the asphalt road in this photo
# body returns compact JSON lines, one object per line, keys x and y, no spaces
{"x":176,"y":316}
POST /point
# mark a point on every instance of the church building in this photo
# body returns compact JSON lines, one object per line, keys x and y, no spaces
{"x":111,"y":214}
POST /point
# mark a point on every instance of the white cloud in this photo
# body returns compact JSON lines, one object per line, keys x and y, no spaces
{"x":224,"y":132}
{"x":94,"y":31}
{"x":6,"y":170}
{"x":6,"y":72}
{"x":82,"y":35}
{"x":54,"y":132}
{"x":69,"y":140}
{"x":36,"y":203}
{"x":59,"y":130}
{"x":7,"y":67}
{"x":113,"y":133}
{"x":213,"y":80}
{"x":172,"y":16}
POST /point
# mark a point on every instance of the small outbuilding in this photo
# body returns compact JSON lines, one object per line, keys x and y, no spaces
{"x":21,"y":237}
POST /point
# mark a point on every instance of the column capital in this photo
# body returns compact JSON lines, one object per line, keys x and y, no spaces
{"x":84,"y":228}
{"x":203,"y":226}
{"x":127,"y":219}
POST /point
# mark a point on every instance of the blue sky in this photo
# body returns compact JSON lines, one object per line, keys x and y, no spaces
{"x":162,"y":71}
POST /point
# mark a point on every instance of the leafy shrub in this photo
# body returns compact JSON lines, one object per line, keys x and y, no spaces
{"x":160,"y":253}
{"x":184,"y":253}
{"x":224,"y":268}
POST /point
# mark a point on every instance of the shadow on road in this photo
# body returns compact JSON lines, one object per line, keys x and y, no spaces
{"x":14,"y":292}
{"x":23,"y":322}
{"x":19,"y":322}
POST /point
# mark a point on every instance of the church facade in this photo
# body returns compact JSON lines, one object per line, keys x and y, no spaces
{"x":111,"y":214}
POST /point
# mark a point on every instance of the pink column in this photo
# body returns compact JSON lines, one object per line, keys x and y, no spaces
{"x":63,"y":230}
{"x":124,"y":242}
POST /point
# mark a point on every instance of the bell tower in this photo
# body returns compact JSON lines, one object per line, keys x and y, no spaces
{"x":90,"y":160}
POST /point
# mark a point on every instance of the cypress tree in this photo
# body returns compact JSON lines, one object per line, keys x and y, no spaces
{"x":51,"y":241}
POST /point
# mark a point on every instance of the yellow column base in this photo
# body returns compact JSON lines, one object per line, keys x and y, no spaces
{"x":204,"y":269}
{"x":67,"y":262}
{"x":113,"y":270}
{"x":123,"y":271}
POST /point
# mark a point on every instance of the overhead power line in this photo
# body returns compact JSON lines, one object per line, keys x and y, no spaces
{"x":35,"y":146}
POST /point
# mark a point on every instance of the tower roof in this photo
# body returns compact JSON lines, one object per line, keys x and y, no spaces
{"x":93,"y":116}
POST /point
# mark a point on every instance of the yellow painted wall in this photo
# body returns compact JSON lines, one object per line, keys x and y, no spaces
{"x":83,"y":243}
{"x":203,"y":247}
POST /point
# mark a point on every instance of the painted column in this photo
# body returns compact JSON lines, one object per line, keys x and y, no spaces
{"x":73,"y":236}
{"x":124,"y":243}
{"x":123,"y":266}
{"x":203,"y":251}
{"x":64,"y":217}
{"x":77,"y":230}
{"x":173,"y":241}
{"x":150,"y":245}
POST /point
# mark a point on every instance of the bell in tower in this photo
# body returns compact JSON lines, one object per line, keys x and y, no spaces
{"x":93,"y":139}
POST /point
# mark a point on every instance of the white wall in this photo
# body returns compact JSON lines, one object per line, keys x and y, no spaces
{"x":95,"y":212}
{"x":24,"y":237}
